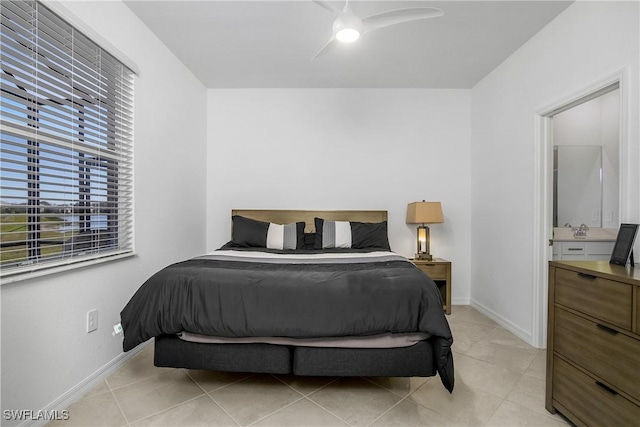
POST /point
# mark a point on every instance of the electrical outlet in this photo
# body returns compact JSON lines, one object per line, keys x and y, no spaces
{"x":117,"y":329}
{"x":92,"y":320}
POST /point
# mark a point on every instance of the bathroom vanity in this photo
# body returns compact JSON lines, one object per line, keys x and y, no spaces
{"x":595,"y":244}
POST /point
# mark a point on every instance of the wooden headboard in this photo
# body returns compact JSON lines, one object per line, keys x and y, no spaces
{"x":289,"y":216}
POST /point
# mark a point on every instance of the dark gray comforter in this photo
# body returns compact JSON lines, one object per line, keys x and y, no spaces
{"x":231,"y":296}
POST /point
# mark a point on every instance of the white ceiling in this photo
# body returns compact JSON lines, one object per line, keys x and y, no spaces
{"x":234,"y":44}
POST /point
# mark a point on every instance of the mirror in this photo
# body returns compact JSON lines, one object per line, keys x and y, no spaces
{"x":577,"y":177}
{"x":586,"y":163}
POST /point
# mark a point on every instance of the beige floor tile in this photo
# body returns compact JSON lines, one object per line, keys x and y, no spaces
{"x":213,"y":380}
{"x":465,"y":405}
{"x":538,"y":367}
{"x":503,"y":337}
{"x":97,"y":410}
{"x":301,"y":413}
{"x":199,"y":412}
{"x":506,"y":356}
{"x":457,"y":310}
{"x":513,"y":415}
{"x":355,"y":400}
{"x":466,"y":334}
{"x":254,"y":398}
{"x":472,"y":315}
{"x":483,"y":376}
{"x":99,"y":388}
{"x":530,"y":393}
{"x":408,"y":413}
{"x":139,"y":367}
{"x":305,"y":385}
{"x":146,"y":397}
{"x":401,"y":386}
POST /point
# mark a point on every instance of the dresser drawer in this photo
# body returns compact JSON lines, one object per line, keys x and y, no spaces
{"x":637,"y":329}
{"x":612,"y":356}
{"x":601,"y":298}
{"x":591,"y":403}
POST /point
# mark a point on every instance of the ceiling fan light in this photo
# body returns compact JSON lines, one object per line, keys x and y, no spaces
{"x":347,"y":35}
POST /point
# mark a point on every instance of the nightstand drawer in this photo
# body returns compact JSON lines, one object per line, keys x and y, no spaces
{"x":438,"y":270}
{"x":608,"y":354}
{"x":595,"y":296}
{"x":435,"y":271}
{"x":591,"y":403}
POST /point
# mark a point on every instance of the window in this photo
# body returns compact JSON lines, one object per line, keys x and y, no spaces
{"x":66,"y":144}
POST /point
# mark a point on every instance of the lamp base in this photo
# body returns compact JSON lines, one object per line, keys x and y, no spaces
{"x":424,"y":256}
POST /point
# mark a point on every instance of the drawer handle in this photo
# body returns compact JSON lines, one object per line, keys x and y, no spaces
{"x":607,"y":329}
{"x":575,"y":249}
{"x":587,"y":276}
{"x":607,"y":388}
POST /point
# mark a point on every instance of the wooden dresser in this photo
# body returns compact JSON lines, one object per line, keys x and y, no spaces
{"x":593,"y":343}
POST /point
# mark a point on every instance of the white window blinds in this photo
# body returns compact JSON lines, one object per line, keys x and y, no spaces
{"x":66,"y":144}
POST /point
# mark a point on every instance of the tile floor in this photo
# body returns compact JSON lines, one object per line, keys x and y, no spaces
{"x":499,"y":382}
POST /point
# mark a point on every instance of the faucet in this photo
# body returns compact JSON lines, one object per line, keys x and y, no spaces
{"x":580,"y":231}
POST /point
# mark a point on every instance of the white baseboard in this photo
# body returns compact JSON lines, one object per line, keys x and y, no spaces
{"x":505,"y":323}
{"x":84,"y":386}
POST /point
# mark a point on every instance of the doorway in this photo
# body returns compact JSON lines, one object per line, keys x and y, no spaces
{"x":585,"y":139}
{"x":544,"y":182}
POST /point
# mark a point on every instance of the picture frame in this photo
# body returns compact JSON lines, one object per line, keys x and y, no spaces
{"x":623,"y":249}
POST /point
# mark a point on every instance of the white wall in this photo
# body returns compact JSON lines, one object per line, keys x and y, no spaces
{"x":344,"y":149}
{"x":586,"y":43}
{"x":45,"y":349}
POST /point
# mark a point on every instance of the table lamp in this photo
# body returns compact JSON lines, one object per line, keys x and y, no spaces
{"x":424,"y":213}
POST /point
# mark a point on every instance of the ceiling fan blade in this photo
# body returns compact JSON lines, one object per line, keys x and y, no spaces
{"x":330,"y":6}
{"x":347,"y":8}
{"x":398,"y":16}
{"x":327,"y":48}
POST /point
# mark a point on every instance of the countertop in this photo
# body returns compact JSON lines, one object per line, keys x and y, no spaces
{"x":565,"y":234}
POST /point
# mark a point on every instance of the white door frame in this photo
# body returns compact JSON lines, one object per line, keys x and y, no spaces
{"x":543,"y":191}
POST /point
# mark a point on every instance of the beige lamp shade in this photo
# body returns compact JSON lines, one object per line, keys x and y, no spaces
{"x":424,"y":213}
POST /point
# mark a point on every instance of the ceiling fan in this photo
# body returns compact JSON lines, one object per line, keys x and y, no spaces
{"x":348,"y":27}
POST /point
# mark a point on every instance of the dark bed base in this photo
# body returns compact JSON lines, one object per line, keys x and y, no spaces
{"x":414,"y":361}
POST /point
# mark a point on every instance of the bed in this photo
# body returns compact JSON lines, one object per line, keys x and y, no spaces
{"x":315,"y":293}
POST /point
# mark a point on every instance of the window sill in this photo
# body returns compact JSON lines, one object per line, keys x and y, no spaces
{"x":35,"y":271}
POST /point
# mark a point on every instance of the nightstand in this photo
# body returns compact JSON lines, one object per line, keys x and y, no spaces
{"x":439,"y":270}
